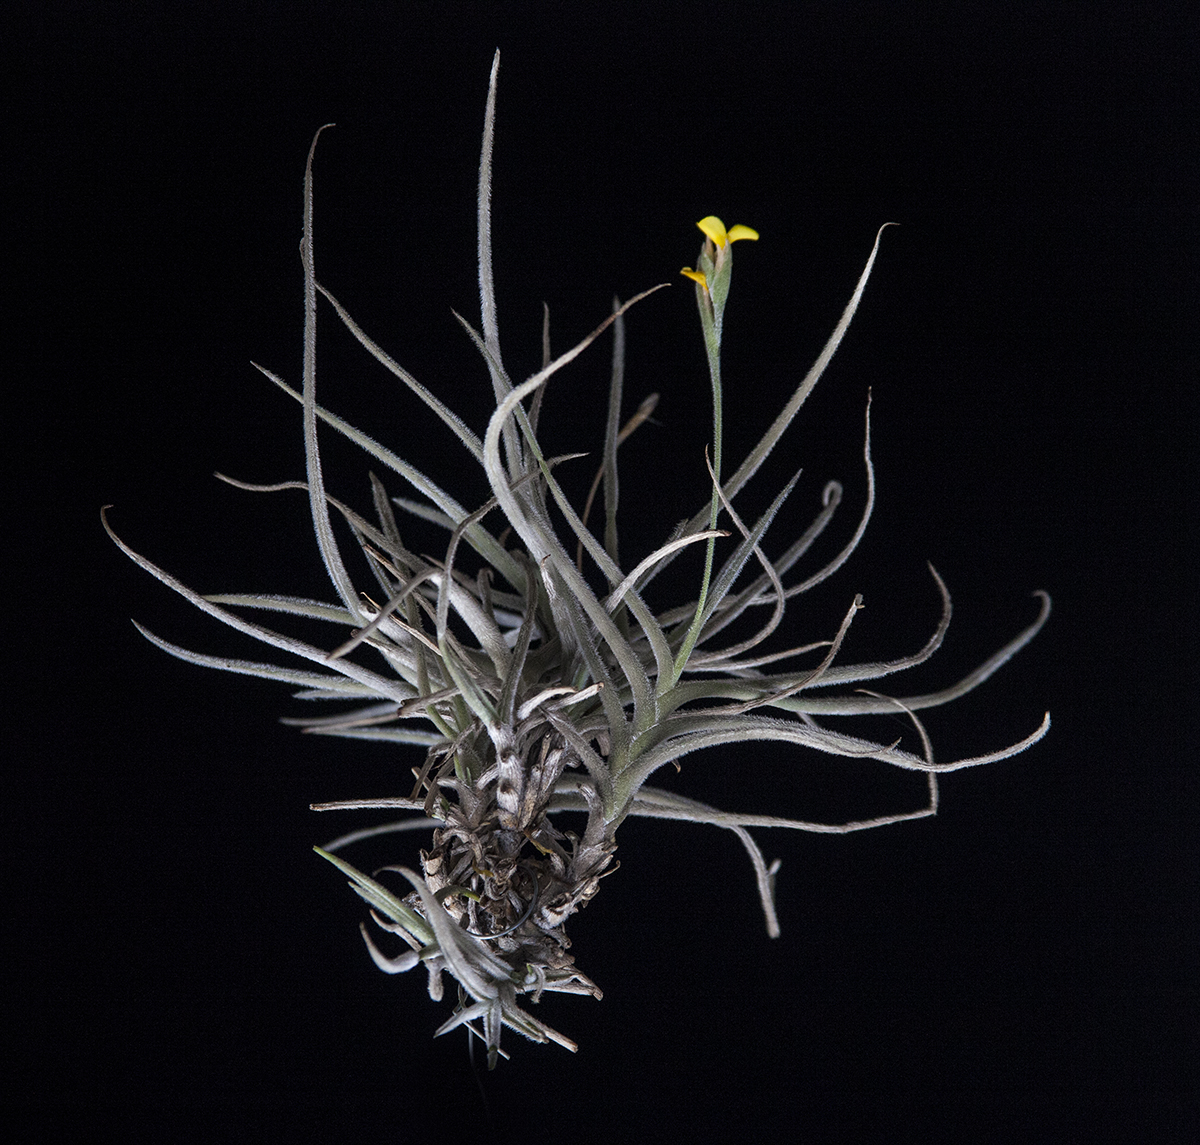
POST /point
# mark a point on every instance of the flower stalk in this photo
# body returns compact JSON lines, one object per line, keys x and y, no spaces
{"x":712,"y":281}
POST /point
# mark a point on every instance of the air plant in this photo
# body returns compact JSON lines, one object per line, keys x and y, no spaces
{"x":537,"y":694}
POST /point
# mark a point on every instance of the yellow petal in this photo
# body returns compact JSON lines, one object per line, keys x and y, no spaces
{"x":742,"y":232}
{"x":714,"y":228}
{"x":695,"y":275}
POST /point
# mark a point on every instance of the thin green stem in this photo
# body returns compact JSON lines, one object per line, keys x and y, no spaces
{"x":712,"y":289}
{"x":712,"y":348}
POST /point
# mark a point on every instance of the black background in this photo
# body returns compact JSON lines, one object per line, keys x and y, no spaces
{"x":1020,"y":968}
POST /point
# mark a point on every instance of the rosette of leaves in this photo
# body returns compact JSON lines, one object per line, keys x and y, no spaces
{"x":534,"y":693}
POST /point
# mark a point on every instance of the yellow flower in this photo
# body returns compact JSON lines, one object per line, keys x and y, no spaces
{"x":714,"y":230}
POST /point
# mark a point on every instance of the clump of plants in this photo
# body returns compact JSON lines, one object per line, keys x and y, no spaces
{"x":544,"y":690}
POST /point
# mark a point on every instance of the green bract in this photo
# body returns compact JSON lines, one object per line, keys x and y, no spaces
{"x":533,"y":693}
